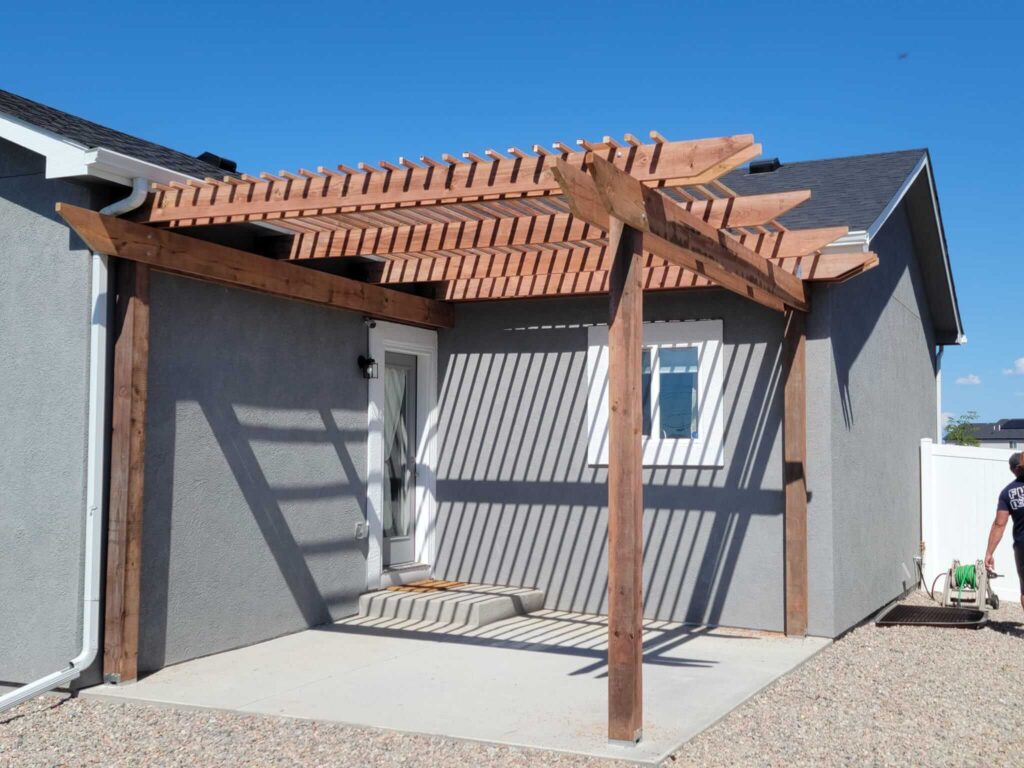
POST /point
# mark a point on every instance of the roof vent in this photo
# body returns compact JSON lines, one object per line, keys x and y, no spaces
{"x":221,"y":162}
{"x":765,"y":166}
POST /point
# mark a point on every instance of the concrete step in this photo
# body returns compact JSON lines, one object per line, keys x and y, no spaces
{"x":446,"y":602}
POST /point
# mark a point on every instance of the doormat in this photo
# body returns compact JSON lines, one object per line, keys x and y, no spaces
{"x":932,"y":616}
{"x":427,"y":585}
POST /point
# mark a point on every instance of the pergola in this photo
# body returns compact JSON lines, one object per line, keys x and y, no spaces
{"x":606,"y":217}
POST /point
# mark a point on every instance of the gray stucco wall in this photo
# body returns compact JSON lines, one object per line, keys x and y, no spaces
{"x":44,"y":339}
{"x":255,"y":469}
{"x":518,"y":503}
{"x":883,"y":403}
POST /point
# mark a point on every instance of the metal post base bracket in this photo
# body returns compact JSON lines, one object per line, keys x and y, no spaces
{"x":623,"y":743}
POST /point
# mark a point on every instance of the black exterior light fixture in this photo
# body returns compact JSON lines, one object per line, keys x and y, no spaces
{"x":368,"y":366}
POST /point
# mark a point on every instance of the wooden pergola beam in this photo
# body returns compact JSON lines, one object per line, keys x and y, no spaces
{"x":346,"y":240}
{"x":471,"y":264}
{"x":678,"y":236}
{"x":791,"y":242}
{"x":171,"y":252}
{"x":555,"y":231}
{"x":664,"y":278}
{"x":565,"y":258}
{"x":443,"y":236}
{"x":663,"y":164}
{"x":745,"y":211}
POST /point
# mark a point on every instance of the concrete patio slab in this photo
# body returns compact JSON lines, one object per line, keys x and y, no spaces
{"x":535,"y":681}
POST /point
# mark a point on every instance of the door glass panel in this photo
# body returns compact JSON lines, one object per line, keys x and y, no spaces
{"x":677,"y":395}
{"x":399,"y":457}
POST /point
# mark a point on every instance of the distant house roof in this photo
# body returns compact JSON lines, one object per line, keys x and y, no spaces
{"x":852,"y":191}
{"x":1002,"y":430}
{"x":91,"y":135}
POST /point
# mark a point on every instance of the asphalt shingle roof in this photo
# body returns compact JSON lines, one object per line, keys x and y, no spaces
{"x":844,"y":190}
{"x":1004,"y":429}
{"x":94,"y":135}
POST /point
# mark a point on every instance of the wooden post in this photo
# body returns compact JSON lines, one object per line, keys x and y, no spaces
{"x":625,"y":486}
{"x":794,"y":439}
{"x":127,"y":464}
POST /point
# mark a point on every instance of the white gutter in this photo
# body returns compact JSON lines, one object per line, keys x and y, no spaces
{"x":856,"y":241}
{"x":68,"y":159}
{"x":95,"y":465}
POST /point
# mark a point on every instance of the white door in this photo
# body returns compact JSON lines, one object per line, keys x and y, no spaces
{"x":401,"y":454}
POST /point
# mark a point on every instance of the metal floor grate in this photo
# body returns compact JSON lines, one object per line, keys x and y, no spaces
{"x":932,"y":616}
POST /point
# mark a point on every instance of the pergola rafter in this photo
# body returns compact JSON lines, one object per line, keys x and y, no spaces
{"x":501,"y":217}
{"x":563,"y":258}
{"x":608,"y":217}
{"x":270,"y":198}
{"x":473,"y":226}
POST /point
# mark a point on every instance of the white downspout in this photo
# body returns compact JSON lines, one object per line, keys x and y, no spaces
{"x":939,"y":425}
{"x":95,"y":467}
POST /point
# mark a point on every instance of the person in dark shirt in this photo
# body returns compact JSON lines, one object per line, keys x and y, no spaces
{"x":1011,"y":504}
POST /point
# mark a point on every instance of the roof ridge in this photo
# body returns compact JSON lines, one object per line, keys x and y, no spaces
{"x":864,"y":155}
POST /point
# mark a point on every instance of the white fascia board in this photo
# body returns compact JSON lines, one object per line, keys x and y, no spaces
{"x":66,"y":158}
{"x":898,"y":197}
{"x":63,"y":157}
{"x":114,"y":166}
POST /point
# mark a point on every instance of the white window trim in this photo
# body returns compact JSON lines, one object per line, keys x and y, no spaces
{"x":394,"y":337}
{"x":708,"y":448}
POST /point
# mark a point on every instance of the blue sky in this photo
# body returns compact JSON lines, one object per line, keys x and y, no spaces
{"x":276,"y":85}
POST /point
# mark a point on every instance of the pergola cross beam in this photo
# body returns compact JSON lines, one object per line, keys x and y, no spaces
{"x":677,"y":236}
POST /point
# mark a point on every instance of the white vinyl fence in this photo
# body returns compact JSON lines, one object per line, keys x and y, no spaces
{"x":959,"y":490}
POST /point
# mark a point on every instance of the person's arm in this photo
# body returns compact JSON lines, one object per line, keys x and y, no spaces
{"x":995,"y":536}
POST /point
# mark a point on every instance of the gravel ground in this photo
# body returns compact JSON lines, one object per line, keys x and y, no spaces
{"x":73,"y":732}
{"x":898,"y":696}
{"x":895,"y":696}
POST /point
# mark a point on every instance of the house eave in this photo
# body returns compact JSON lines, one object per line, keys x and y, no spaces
{"x":69,"y":159}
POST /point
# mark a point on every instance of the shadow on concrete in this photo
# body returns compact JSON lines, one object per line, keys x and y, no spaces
{"x":655,"y":647}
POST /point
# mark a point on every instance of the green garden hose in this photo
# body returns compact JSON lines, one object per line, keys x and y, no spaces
{"x":964,"y":576}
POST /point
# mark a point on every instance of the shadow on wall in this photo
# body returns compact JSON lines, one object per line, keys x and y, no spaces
{"x":858,"y":305}
{"x":519,"y":505}
{"x":255,"y":472}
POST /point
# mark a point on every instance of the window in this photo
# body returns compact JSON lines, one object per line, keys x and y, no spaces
{"x":1013,"y":444}
{"x":682,"y":394}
